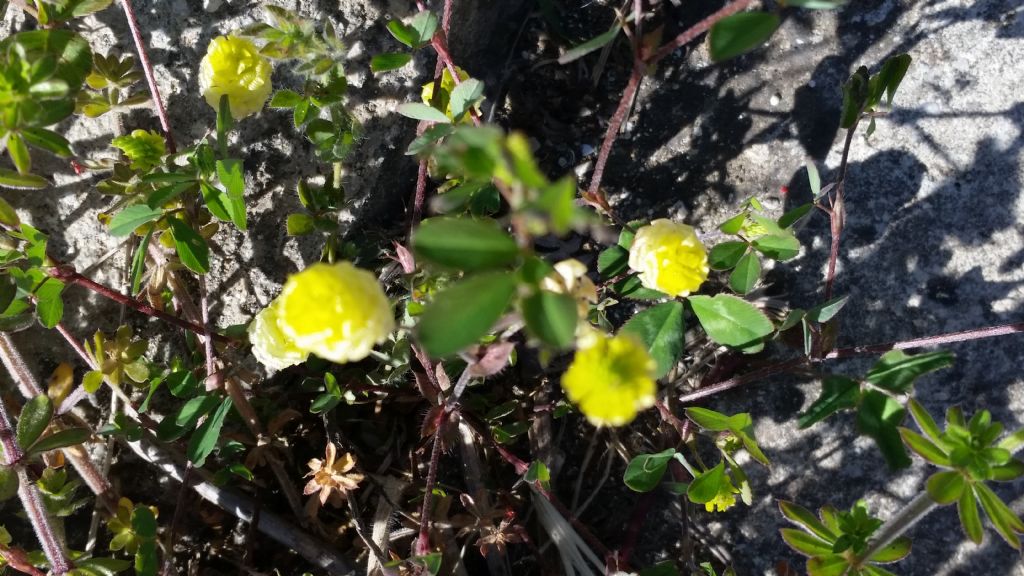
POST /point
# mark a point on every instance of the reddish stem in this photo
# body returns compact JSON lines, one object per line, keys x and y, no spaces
{"x":147,"y":69}
{"x":613,"y":128}
{"x":71,"y":276}
{"x":868,"y":350}
{"x":696,"y":30}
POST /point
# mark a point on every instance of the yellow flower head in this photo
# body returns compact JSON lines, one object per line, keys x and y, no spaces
{"x":234,"y":66}
{"x":725,"y":499}
{"x":444,"y":98}
{"x":669,"y":257}
{"x":335,"y":311}
{"x":269,"y":344}
{"x":611,"y":379}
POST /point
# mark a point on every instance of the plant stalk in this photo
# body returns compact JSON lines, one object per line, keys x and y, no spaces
{"x":916,"y":509}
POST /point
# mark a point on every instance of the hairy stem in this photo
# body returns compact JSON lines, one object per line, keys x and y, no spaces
{"x":868,"y":350}
{"x":147,"y":69}
{"x":688,"y":35}
{"x":916,"y":509}
{"x":837,"y":215}
{"x":70,"y":276}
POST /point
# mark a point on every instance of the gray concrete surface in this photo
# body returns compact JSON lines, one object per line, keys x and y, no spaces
{"x":934,"y":241}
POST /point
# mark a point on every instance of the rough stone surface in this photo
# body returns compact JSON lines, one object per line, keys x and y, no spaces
{"x":933,"y":241}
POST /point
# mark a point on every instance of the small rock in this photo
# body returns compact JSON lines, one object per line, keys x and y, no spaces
{"x":586,"y":150}
{"x":212,"y":5}
{"x":775,"y":99}
{"x":356,"y":51}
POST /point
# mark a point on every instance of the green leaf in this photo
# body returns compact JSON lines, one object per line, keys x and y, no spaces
{"x":60,"y":439}
{"x":144,"y":526}
{"x":100,"y":567}
{"x":896,"y":371}
{"x":8,"y":291}
{"x":8,"y":486}
{"x":706,"y":485}
{"x":139,"y":263}
{"x":403,"y":33}
{"x":1005,"y":521}
{"x":631,"y":287}
{"x":925,"y":421}
{"x":420,"y":111}
{"x":423,"y":24}
{"x":837,"y":393}
{"x":825,"y":312}
{"x":813,"y":178}
{"x":464,"y":243}
{"x":464,"y":312}
{"x":894,"y":552}
{"x":878,"y":417}
{"x":92,"y":381}
{"x":225,"y":121}
{"x":465,"y":96}
{"x":855,"y":97}
{"x":50,"y":310}
{"x":551,"y":317}
{"x":35,"y":417}
{"x":740,"y":33}
{"x":13,"y":180}
{"x":725,"y":255}
{"x":229,"y":172}
{"x":734,"y":224}
{"x":8,"y":215}
{"x":191,"y":247}
{"x":970,"y":520}
{"x":828,"y":565}
{"x":126,"y":221}
{"x":793,"y":216}
{"x":596,"y":43}
{"x":746,"y":274}
{"x":891,"y":74}
{"x":538,"y":473}
{"x":1008,"y":472}
{"x":18,"y":152}
{"x":285,"y":99}
{"x":806,"y":519}
{"x":644,"y":472}
{"x":389,"y":61}
{"x":661,"y":330}
{"x":202,"y":443}
{"x":731,"y":321}
{"x":299,"y":224}
{"x":804,"y":543}
{"x":946,"y":487}
{"x":924,"y":447}
{"x":708,"y":419}
{"x":612,"y":261}
{"x":779,"y":247}
{"x":47,"y":140}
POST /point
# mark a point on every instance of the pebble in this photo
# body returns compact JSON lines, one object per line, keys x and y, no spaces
{"x":775,"y":99}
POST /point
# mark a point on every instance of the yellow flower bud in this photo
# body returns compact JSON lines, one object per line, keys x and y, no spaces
{"x":611,"y":379}
{"x":335,"y":311}
{"x":234,"y":66}
{"x":269,"y":345}
{"x":669,"y":257}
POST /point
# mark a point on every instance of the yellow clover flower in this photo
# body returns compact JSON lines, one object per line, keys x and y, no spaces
{"x":444,"y":99}
{"x":611,"y":379}
{"x":234,"y":66}
{"x":269,"y":344}
{"x":336,"y":311}
{"x":669,"y":257}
